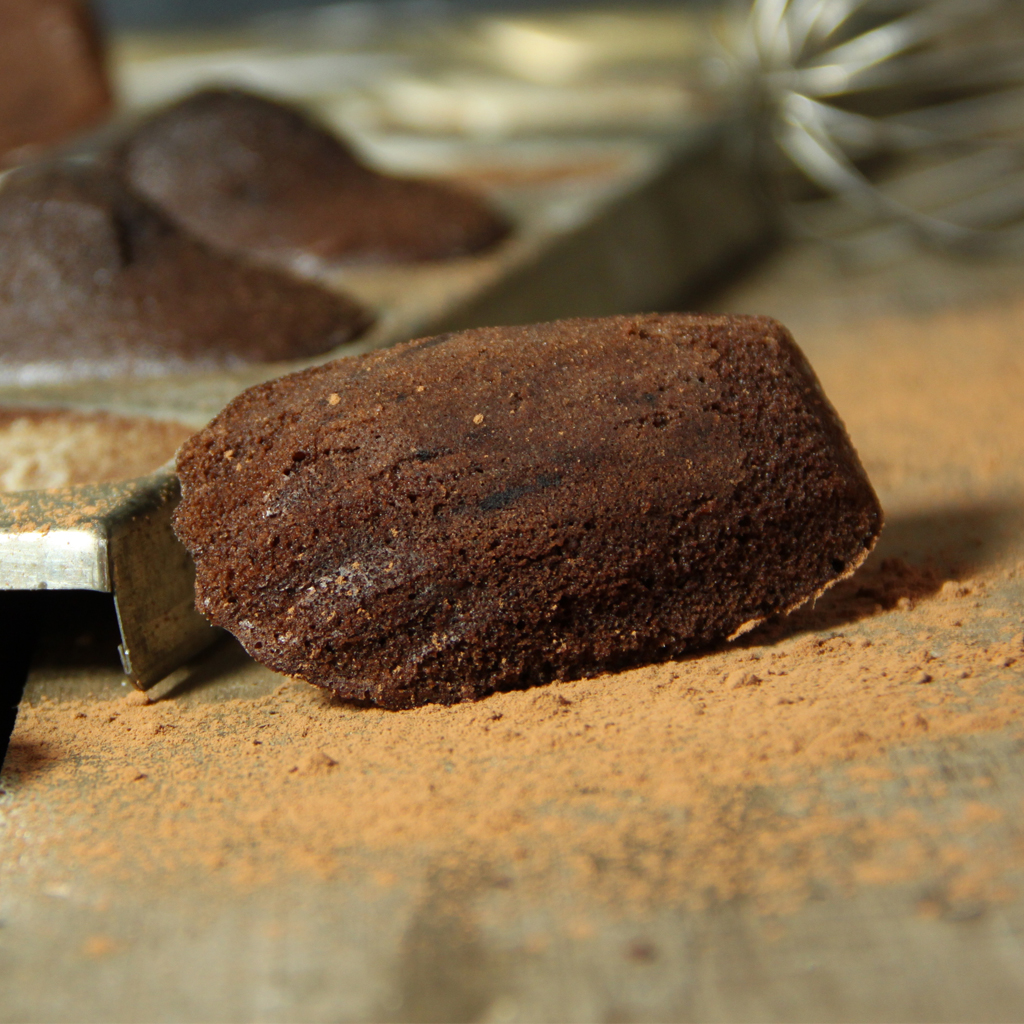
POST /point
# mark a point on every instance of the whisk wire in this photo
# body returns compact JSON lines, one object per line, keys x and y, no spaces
{"x":946,"y":77}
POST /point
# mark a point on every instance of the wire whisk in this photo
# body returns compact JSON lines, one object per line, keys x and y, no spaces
{"x":910,"y":111}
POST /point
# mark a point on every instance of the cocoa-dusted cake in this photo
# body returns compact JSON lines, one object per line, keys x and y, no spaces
{"x":255,"y":176}
{"x":95,"y":282}
{"x":503,"y":506}
{"x":52,"y":79}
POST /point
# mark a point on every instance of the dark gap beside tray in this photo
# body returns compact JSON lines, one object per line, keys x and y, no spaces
{"x":58,"y":627}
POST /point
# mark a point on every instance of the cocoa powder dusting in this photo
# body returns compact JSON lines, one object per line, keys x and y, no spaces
{"x":44,"y":448}
{"x":806,"y":756}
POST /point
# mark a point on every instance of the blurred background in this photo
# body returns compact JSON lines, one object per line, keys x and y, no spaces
{"x":909,"y":112}
{"x":169,"y":14}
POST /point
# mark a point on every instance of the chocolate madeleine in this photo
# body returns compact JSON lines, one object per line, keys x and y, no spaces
{"x":95,"y":282}
{"x":500,"y":507}
{"x":259,"y":177}
{"x":53,"y":82}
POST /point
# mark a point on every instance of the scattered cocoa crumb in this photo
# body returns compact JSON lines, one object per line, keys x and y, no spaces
{"x":693,"y":770}
{"x":808,"y":756}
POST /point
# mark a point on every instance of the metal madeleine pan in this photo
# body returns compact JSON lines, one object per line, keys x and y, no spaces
{"x":117,"y":539}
